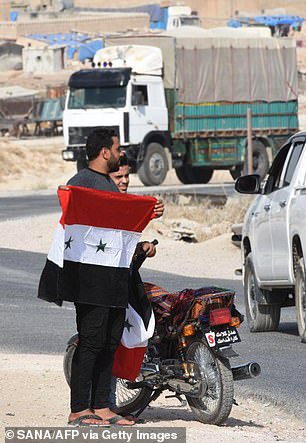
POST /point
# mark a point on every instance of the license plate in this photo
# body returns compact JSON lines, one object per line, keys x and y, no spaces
{"x":225,"y":337}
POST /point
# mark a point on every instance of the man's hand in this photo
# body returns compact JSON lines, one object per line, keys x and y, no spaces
{"x":146,"y":248}
{"x":159,"y":208}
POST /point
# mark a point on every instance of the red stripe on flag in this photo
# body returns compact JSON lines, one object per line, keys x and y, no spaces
{"x":102,"y":209}
{"x":127,"y":362}
{"x":64,"y":200}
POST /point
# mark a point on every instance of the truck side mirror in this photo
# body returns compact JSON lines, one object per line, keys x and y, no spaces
{"x":248,"y":184}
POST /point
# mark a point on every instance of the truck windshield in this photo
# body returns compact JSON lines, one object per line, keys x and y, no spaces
{"x":190,"y":21}
{"x":91,"y":98}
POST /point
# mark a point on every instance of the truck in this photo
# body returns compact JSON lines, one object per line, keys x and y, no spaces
{"x":178,"y":16}
{"x":180,"y":100}
{"x":273,"y":244}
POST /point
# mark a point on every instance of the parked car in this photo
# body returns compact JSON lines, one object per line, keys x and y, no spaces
{"x":273,"y":240}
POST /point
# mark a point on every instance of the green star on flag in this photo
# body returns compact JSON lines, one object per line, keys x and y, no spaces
{"x":68,"y":243}
{"x":127,"y":325}
{"x":101,"y":246}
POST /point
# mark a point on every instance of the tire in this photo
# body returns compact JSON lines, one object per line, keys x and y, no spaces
{"x":300,"y":299}
{"x":261,"y":318}
{"x":128,"y":400}
{"x":236,"y":171}
{"x":200,"y":174}
{"x":182,"y":175}
{"x":194,"y":174}
{"x":70,"y":350}
{"x":260,"y":160}
{"x":153,"y":169}
{"x":215,"y":403}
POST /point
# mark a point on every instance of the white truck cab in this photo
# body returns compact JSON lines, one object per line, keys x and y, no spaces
{"x":124,"y":92}
{"x":179,"y":16}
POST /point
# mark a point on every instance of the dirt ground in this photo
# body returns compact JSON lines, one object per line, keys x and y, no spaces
{"x":33,"y":389}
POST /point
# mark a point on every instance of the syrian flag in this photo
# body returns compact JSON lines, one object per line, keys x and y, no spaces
{"x":90,"y":256}
{"x":138,"y":328}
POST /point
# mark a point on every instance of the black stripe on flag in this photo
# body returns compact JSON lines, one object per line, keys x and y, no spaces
{"x":84,"y":283}
{"x":49,"y":284}
{"x":138,"y":298}
{"x":95,"y":284}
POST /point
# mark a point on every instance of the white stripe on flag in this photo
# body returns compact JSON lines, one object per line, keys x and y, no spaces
{"x":100,"y":246}
{"x":56,"y":252}
{"x":135,"y":335}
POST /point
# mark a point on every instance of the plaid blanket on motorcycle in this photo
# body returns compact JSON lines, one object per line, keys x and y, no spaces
{"x":175,"y":305}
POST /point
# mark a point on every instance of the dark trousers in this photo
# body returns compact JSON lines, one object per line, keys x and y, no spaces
{"x":100,"y":330}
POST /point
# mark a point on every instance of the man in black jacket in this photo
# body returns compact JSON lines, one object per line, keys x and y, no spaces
{"x":99,"y":326}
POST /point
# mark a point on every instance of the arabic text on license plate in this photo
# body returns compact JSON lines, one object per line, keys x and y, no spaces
{"x":224,"y":337}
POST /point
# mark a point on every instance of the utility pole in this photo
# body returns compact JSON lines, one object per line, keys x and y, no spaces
{"x":250,"y":144}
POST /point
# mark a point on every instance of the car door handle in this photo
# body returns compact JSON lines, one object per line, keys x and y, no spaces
{"x":267,"y":207}
{"x":301,"y":189}
{"x":149,"y":122}
{"x":283,"y":203}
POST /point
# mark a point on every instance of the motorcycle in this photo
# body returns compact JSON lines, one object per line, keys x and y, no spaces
{"x":188,"y":354}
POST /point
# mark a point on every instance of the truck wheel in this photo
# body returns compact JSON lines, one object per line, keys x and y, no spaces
{"x":260,"y":317}
{"x":236,"y":171}
{"x":199,"y":174}
{"x":154,"y":167}
{"x":182,"y":175}
{"x":260,"y":160}
{"x":82,"y":164}
{"x":194,"y":174}
{"x":300,"y":299}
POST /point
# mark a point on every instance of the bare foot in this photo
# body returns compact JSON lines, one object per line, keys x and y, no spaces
{"x":108,"y":416}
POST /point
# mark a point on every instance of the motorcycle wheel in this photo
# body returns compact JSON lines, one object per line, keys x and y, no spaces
{"x":70,"y":350}
{"x":128,"y":400}
{"x":214,"y":404}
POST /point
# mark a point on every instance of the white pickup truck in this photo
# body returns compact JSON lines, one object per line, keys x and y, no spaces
{"x":273,"y":240}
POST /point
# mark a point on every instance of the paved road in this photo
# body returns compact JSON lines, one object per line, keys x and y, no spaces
{"x":18,"y":206}
{"x":30,"y":325}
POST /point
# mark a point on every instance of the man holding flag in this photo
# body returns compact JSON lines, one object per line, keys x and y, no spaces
{"x":98,"y":233}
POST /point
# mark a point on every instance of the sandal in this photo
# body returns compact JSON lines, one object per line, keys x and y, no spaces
{"x":116,"y":418}
{"x":130,"y":417}
{"x":80,"y":421}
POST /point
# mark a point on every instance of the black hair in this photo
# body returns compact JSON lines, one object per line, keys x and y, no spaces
{"x":123,"y":160}
{"x":98,"y":139}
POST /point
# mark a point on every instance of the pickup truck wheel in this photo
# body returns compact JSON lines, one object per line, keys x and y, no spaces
{"x":260,"y":317}
{"x":153,"y":169}
{"x":300,"y":299}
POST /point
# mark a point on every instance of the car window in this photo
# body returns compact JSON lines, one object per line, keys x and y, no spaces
{"x":283,"y":167}
{"x":294,"y":158}
{"x":276,"y":170}
{"x":139,"y":95}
